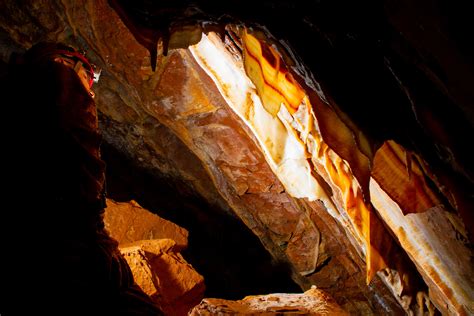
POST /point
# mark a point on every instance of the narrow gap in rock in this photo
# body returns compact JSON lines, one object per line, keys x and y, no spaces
{"x":230,"y":257}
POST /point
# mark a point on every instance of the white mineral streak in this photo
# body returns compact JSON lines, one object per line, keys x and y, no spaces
{"x":430,"y":240}
{"x":283,"y":150}
{"x":289,"y":140}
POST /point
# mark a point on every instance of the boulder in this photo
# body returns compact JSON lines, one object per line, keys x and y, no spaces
{"x":164,"y":275}
{"x":128,"y":222}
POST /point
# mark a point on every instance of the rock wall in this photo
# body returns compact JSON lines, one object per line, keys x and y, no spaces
{"x":174,"y":123}
{"x":152,"y":246}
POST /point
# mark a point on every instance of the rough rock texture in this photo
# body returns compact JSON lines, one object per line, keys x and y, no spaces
{"x":151,"y":245}
{"x":163,"y":274}
{"x":311,"y":302}
{"x":174,"y":123}
{"x":127,"y":222}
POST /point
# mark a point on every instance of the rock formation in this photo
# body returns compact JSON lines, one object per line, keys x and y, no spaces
{"x":128,"y":222}
{"x":163,"y":274}
{"x":311,"y":302}
{"x":337,"y":136}
{"x":151,"y":246}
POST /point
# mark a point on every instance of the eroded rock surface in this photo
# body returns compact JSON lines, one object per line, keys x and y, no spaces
{"x":127,"y":222}
{"x":163,"y":274}
{"x":175,"y":123}
{"x":151,"y":245}
{"x":311,"y":302}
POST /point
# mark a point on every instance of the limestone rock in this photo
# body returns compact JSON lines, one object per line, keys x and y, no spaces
{"x":164,"y":275}
{"x":311,"y":302}
{"x":128,"y":222}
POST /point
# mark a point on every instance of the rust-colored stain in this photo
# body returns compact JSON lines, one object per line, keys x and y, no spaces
{"x":402,"y":178}
{"x":275,"y":85}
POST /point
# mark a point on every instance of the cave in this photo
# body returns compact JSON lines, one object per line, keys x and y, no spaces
{"x":298,"y":146}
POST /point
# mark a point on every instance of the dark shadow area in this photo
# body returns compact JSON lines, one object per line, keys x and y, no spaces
{"x":221,"y":248}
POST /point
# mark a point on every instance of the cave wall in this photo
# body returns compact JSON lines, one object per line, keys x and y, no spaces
{"x":174,"y":124}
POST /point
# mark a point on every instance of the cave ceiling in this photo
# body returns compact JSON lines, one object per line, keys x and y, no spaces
{"x":337,"y":131}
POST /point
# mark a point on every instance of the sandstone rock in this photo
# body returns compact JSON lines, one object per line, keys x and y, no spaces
{"x":142,"y":271}
{"x":128,"y":222}
{"x":164,"y":275}
{"x":311,"y":302}
{"x":151,"y":247}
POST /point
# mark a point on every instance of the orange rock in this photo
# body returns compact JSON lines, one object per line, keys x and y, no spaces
{"x":311,"y":302}
{"x":274,"y":83}
{"x":128,"y":222}
{"x":400,"y":174}
{"x":164,"y":275}
{"x":142,"y":271}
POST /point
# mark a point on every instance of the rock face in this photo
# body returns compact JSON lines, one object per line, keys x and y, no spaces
{"x":175,"y":123}
{"x":163,"y":274}
{"x":403,"y":175}
{"x":311,"y":302}
{"x":128,"y":222}
{"x":151,"y":246}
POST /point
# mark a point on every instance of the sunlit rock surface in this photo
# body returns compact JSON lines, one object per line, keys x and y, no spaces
{"x":176,"y":123}
{"x":311,"y":302}
{"x":404,"y":176}
{"x":426,"y":228}
{"x":127,"y":222}
{"x":151,"y":245}
{"x":162,"y":273}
